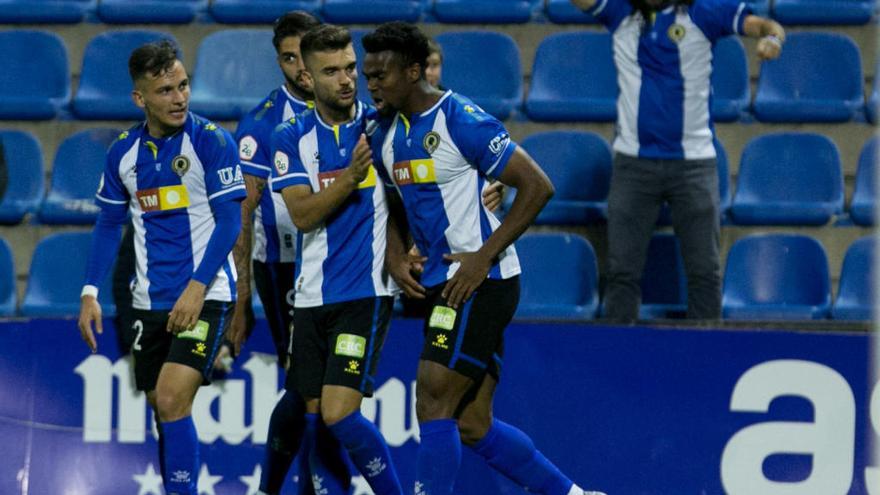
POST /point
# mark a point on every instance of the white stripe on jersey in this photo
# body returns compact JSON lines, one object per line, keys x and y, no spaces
{"x":314,"y":249}
{"x":696,"y":70}
{"x":629,"y":79}
{"x":380,"y":221}
{"x":141,"y":294}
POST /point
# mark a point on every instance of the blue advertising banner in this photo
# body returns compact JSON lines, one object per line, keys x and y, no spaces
{"x":630,"y":411}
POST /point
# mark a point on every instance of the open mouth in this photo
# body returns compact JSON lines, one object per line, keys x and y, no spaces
{"x":346,"y":94}
{"x":379,"y":103}
{"x":178,"y":114}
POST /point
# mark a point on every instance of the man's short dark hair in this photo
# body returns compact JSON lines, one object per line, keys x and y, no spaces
{"x":402,"y":38}
{"x":293,"y":23}
{"x":152,"y":58}
{"x":324,"y":38}
{"x":434,"y":47}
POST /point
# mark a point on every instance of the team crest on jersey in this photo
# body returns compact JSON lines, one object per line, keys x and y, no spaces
{"x":282,"y":162}
{"x":180,"y":165}
{"x":431,"y":142}
{"x":247,"y":148}
{"x":676,"y":32}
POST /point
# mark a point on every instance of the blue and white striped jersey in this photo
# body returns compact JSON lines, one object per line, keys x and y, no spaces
{"x":274,"y":232}
{"x":344,"y":259}
{"x":440,"y":161}
{"x":664,"y":73}
{"x":170,"y":186}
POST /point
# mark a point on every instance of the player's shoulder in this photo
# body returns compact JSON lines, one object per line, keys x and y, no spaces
{"x":262,"y":116}
{"x":461,"y":110}
{"x":125,"y":140}
{"x":207,"y":135}
{"x":296,"y":125}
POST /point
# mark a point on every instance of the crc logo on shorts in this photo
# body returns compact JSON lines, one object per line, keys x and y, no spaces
{"x":499,"y":143}
{"x":441,"y":340}
{"x":282,"y":162}
{"x":247,"y":148}
{"x":351,"y":345}
{"x":180,"y":165}
{"x":230,"y":175}
{"x":198,"y":332}
{"x":163,"y":198}
{"x":200,"y":349}
{"x":442,"y":318}
{"x":353,"y":367}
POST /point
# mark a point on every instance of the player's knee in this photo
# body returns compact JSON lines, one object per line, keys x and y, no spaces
{"x":473,"y":427}
{"x":171,"y":407}
{"x":432,"y":403}
{"x":332,"y":413}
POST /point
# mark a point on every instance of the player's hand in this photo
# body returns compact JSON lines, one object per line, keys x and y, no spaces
{"x":186,"y":310}
{"x":492,"y":195}
{"x":361,"y":160}
{"x":401,"y":269}
{"x":769,"y":48}
{"x":90,"y":311}
{"x":471,"y":273}
{"x":417,"y":261}
{"x":241,"y":325}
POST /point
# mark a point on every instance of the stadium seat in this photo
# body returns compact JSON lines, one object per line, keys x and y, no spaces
{"x":258,"y":11}
{"x":44,"y":12}
{"x":578,"y":164}
{"x":730,"y":80}
{"x":21,"y":154}
{"x":556,"y":96}
{"x":664,"y":284}
{"x":873,"y":105}
{"x":805,"y":12}
{"x":665,"y":217}
{"x":854,"y":296}
{"x":150,"y":11}
{"x":484,"y":11}
{"x":864,"y":197}
{"x":235,"y":69}
{"x":564,"y":12}
{"x":7,"y":280}
{"x":776,"y":277}
{"x":788,"y":178}
{"x":818,"y":78}
{"x":559,"y":277}
{"x":105,"y":85}
{"x":57,"y":272}
{"x":497,"y":86}
{"x":372,"y":12}
{"x":76,"y":174}
{"x":35,"y":83}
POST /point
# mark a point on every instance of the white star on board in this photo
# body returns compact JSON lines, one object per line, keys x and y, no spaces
{"x":150,"y":482}
{"x":207,"y":482}
{"x":253,"y":481}
{"x":359,"y":486}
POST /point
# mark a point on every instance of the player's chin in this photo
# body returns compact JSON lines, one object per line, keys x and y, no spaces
{"x":346,"y":97}
{"x":177,"y":117}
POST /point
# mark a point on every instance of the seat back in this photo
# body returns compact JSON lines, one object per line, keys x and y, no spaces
{"x":24,"y":168}
{"x":7,"y":280}
{"x":864,"y":194}
{"x":855,"y":295}
{"x":578,"y":163}
{"x":730,"y":79}
{"x":35,"y":81}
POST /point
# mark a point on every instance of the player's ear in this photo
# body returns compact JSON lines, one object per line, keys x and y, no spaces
{"x":308,"y":81}
{"x":414,"y":73}
{"x":138,"y":98}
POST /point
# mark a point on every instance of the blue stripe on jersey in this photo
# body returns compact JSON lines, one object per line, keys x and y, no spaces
{"x":661,"y":107}
{"x":485,"y":227}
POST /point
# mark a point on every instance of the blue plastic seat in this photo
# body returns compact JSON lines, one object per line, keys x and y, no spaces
{"x":864,"y":197}
{"x":372,"y":12}
{"x":788,"y":178}
{"x":854,"y":295}
{"x":559,"y":277}
{"x":805,"y":12}
{"x":578,"y":164}
{"x":564,"y":12}
{"x":776,"y":277}
{"x":76,"y":174}
{"x":730,"y":80}
{"x":873,"y":105}
{"x":24,"y":166}
{"x":105,"y":85}
{"x":497,"y":86}
{"x":556,"y":96}
{"x":35,"y":81}
{"x":150,"y":11}
{"x":44,"y":12}
{"x":818,"y":78}
{"x":56,"y":277}
{"x":7,"y":280}
{"x":724,"y":196}
{"x":258,"y":11}
{"x":235,"y":69}
{"x":484,"y":11}
{"x":664,"y":284}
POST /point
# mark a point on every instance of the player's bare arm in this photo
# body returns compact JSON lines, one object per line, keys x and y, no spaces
{"x":90,"y":311}
{"x":770,"y":34}
{"x":534,"y":189}
{"x":243,"y":318}
{"x":186,"y":310}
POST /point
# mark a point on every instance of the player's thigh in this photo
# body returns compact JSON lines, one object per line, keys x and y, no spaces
{"x":308,"y":354}
{"x":150,"y":346}
{"x":197,"y":348}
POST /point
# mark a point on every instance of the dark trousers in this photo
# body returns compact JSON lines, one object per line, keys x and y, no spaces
{"x":639,"y":188}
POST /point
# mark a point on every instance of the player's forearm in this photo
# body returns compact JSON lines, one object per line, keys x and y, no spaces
{"x":244,"y":245}
{"x":106,"y":238}
{"x":760,"y":27}
{"x":309,"y":211}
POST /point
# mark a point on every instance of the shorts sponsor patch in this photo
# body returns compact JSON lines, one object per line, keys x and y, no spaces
{"x":351,"y":345}
{"x":353,"y":367}
{"x":200,"y":349}
{"x":198,"y":332}
{"x":442,"y":317}
{"x":441,"y":340}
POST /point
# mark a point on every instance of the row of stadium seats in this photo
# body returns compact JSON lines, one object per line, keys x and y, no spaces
{"x":375,"y":11}
{"x":768,"y":277}
{"x":789,"y":178}
{"x":818,"y":78}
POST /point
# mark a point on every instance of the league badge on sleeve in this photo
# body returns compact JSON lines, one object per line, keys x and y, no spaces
{"x":247,"y":148}
{"x":282,"y":162}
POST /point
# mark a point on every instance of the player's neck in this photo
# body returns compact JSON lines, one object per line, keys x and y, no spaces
{"x":423,"y":97}
{"x":297,"y":92}
{"x":334,"y":116}
{"x":158,"y":131}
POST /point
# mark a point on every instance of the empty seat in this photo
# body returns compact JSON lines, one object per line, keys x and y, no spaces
{"x":823,"y":11}
{"x":35,"y":81}
{"x":497,"y":86}
{"x":105,"y":85}
{"x":818,"y":78}
{"x":43,"y":12}
{"x":235,"y":69}
{"x":730,"y":80}
{"x":664,"y":284}
{"x":374,"y":11}
{"x":257,"y":11}
{"x":854,"y":296}
{"x":56,"y":277}
{"x":578,"y":164}
{"x":7,"y":280}
{"x":864,"y":196}
{"x":76,"y":174}
{"x":484,"y":11}
{"x":776,"y":277}
{"x":873,"y":105}
{"x":788,"y":178}
{"x":20,"y":152}
{"x":555,"y":95}
{"x":150,"y":11}
{"x":559,"y":277}
{"x":564,"y":12}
